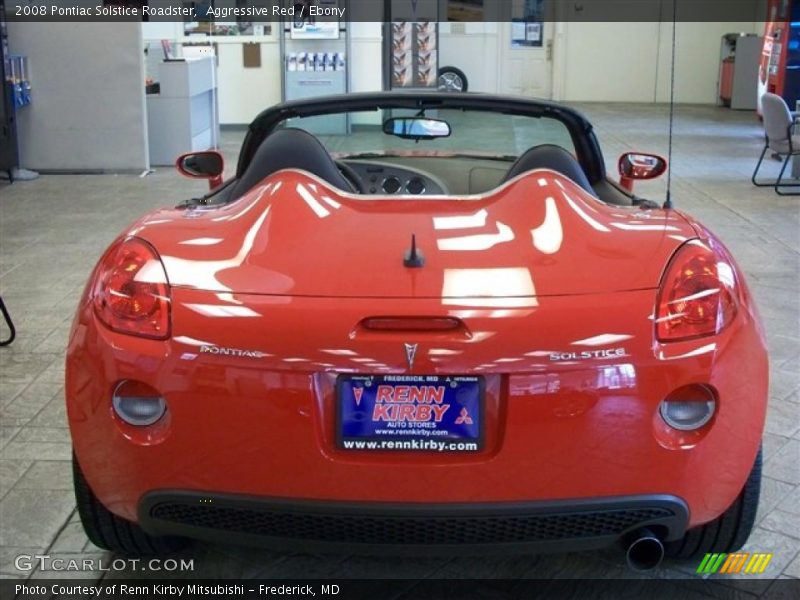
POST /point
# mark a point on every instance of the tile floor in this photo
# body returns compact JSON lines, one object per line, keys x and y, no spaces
{"x":54,"y":229}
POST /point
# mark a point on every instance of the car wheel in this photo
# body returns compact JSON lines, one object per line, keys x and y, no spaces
{"x":110,"y":532}
{"x":729,"y":531}
{"x":452,"y":80}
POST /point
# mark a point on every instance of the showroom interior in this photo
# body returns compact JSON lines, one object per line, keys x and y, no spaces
{"x":97,"y":111}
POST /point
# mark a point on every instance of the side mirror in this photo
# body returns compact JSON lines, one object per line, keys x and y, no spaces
{"x":635,"y":165}
{"x":208,"y":164}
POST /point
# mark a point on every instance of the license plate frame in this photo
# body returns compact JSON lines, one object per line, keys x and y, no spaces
{"x":357,"y":429}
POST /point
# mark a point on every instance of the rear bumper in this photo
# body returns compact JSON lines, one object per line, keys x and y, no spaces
{"x":262,"y":424}
{"x":411,"y":528}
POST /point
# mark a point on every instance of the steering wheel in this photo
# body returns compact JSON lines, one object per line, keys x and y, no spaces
{"x":352,"y":177}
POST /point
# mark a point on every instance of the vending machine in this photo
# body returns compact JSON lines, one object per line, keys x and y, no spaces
{"x":779,"y":70}
{"x":740,"y":55}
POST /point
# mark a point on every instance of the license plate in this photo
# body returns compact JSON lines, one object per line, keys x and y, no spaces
{"x":429,"y":413}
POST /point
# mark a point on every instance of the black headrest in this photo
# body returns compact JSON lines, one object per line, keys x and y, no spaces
{"x":550,"y":156}
{"x":290,"y":149}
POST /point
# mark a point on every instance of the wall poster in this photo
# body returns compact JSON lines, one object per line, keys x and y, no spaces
{"x":527,"y":23}
{"x":415,"y":55}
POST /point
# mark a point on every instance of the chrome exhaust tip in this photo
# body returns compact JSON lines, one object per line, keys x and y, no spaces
{"x":645,"y":551}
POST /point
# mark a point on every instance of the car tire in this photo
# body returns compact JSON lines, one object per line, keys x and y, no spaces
{"x":110,"y":532}
{"x":729,"y":531}
{"x":451,"y":79}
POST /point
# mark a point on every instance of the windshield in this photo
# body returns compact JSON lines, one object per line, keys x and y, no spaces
{"x":472,"y":133}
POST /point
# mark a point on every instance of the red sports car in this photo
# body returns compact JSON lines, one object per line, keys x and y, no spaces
{"x":418,"y":322}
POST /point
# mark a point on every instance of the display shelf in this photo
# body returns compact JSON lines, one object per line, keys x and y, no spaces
{"x":316,"y":59}
{"x":9,"y":153}
{"x":309,"y":84}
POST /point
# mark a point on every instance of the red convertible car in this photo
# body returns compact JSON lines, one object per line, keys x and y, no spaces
{"x":418,"y":322}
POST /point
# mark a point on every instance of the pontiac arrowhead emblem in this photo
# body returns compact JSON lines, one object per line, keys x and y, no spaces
{"x":411,"y":352}
{"x":357,"y":391}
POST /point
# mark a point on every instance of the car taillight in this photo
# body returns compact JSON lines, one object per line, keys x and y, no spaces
{"x":131,"y":293}
{"x":698,"y":295}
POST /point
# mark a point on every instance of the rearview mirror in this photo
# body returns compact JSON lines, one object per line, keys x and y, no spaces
{"x":416,"y":128}
{"x":636,"y":165}
{"x":208,"y":164}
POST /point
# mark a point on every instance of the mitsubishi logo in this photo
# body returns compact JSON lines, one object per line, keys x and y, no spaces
{"x":411,"y":352}
{"x":463,"y":418}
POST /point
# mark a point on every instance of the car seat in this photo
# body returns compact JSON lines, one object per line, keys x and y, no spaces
{"x":290,"y":149}
{"x":550,"y":156}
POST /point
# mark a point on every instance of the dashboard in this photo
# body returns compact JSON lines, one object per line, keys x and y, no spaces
{"x":393,"y":180}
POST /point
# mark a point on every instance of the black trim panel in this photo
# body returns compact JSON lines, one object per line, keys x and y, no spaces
{"x":397,"y":529}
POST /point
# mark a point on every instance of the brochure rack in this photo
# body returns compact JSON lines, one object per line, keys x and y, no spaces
{"x":15,"y":93}
{"x":316,"y":56}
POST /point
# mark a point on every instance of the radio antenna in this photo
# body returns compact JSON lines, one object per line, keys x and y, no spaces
{"x":668,"y":200}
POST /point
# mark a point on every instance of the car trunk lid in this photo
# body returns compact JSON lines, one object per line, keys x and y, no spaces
{"x":539,"y":235}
